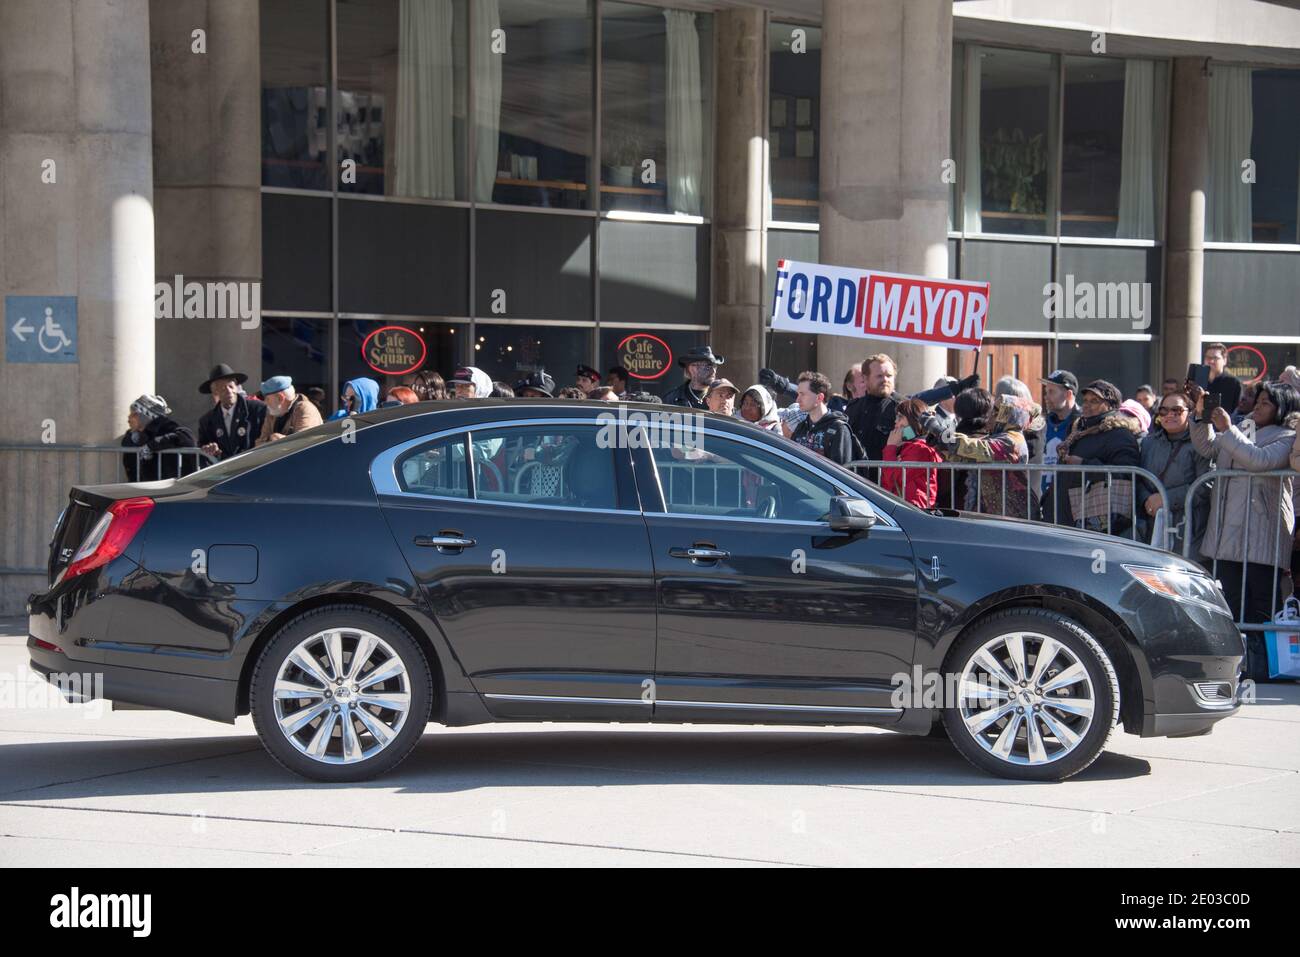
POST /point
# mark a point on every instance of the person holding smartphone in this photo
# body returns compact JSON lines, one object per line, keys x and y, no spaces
{"x":1252,"y":521}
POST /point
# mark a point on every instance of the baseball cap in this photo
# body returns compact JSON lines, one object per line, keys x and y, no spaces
{"x":1066,"y":380}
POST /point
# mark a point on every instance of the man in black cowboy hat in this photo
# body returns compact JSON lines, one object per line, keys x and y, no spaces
{"x":701,"y":367}
{"x":235,"y":421}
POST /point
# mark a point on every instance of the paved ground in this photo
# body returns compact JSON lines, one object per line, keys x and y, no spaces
{"x":137,"y":788}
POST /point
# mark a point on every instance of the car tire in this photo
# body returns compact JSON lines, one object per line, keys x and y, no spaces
{"x":384,"y":700}
{"x":1021,"y":721}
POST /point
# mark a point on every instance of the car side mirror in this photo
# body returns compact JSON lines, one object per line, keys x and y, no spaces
{"x":849,"y":514}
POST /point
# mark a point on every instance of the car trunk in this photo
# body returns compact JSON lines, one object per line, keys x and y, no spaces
{"x":87,"y":504}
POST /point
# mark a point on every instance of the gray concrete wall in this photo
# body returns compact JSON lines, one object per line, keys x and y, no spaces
{"x":207,"y":174}
{"x":74,"y":89}
{"x":740,"y":185}
{"x":886,"y":83}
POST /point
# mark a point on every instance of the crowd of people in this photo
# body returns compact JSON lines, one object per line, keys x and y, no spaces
{"x":1072,"y":436}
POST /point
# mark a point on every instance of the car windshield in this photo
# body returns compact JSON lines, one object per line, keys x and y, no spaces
{"x":247,"y":461}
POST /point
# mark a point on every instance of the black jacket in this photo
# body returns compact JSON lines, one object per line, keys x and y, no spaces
{"x":1110,"y":439}
{"x":829,"y":436}
{"x":684,"y":396}
{"x":245,"y":426}
{"x":872,"y":419}
{"x":162,"y":433}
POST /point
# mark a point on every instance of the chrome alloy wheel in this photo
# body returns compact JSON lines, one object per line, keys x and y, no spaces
{"x":1026,"y":698}
{"x":342,"y":695}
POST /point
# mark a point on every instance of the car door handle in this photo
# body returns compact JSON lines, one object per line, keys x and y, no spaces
{"x":697,"y":554}
{"x":441,"y":542}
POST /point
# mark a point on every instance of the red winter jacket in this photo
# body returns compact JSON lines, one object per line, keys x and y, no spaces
{"x":921,"y":486}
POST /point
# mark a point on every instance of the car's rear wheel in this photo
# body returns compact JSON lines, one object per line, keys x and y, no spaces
{"x":341,"y":694}
{"x":1036,"y":696}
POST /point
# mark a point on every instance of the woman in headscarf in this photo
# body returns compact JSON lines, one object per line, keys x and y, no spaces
{"x":149,"y":424}
{"x":757,"y":407}
{"x":991,"y":491}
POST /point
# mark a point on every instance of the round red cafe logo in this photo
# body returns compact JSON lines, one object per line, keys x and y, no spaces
{"x":1246,"y":363}
{"x":645,"y":356}
{"x":393,"y":350}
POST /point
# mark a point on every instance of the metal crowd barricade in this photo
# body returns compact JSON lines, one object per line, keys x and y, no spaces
{"x":702,"y":484}
{"x":1032,"y":475}
{"x":34,"y":483}
{"x":1220,"y":481}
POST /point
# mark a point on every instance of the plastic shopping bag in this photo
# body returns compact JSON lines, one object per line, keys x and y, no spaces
{"x":1284,"y":646}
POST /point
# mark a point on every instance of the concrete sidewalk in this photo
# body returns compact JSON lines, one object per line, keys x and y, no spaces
{"x":153,"y":788}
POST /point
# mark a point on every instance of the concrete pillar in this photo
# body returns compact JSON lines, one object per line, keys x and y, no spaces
{"x":1189,"y":170}
{"x":740,"y":184}
{"x":74,"y":90}
{"x":207,"y":178}
{"x":886,"y":85}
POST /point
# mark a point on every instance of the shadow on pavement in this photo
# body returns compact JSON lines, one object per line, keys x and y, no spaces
{"x":450,"y":762}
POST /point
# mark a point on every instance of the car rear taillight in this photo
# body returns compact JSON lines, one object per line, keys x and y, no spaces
{"x":110,"y":536}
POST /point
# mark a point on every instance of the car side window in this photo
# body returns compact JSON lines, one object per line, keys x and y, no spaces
{"x":719,"y":477}
{"x":435,"y":469}
{"x":544,"y":465}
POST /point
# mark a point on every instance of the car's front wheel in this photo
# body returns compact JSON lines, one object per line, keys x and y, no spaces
{"x":341,"y":694}
{"x":1035,"y":695}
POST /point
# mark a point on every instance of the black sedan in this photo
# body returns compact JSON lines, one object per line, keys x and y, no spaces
{"x":526,"y":560}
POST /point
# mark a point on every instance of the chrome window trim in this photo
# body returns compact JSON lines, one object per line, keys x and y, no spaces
{"x":383,"y":467}
{"x":383,"y":471}
{"x":835,"y":483}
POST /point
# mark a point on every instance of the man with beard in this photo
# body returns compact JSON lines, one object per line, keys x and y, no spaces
{"x":701,"y":367}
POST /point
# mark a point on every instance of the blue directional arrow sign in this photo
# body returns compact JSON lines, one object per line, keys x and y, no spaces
{"x":41,"y":328}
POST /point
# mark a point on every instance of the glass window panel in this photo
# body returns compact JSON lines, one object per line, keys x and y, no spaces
{"x":296,"y":253}
{"x":405,"y":259}
{"x":402,"y":96}
{"x":649,"y":354}
{"x":533,"y":82}
{"x":1127,"y":363}
{"x":723,"y":478}
{"x":657,"y":80}
{"x":654,"y":272}
{"x":508,"y":353}
{"x":533,"y":266}
{"x":1112,"y":147}
{"x":435,"y":469}
{"x":555,"y":465}
{"x":1275,"y":148}
{"x":442,"y":351}
{"x":295,"y":119}
{"x":1257,"y":361}
{"x":794,"y":120}
{"x":298,"y":348}
{"x":1009,"y":141}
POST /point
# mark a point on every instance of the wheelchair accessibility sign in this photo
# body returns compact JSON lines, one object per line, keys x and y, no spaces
{"x":41,"y":328}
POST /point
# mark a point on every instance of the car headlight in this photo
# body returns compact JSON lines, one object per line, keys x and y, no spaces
{"x":1182,"y":585}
